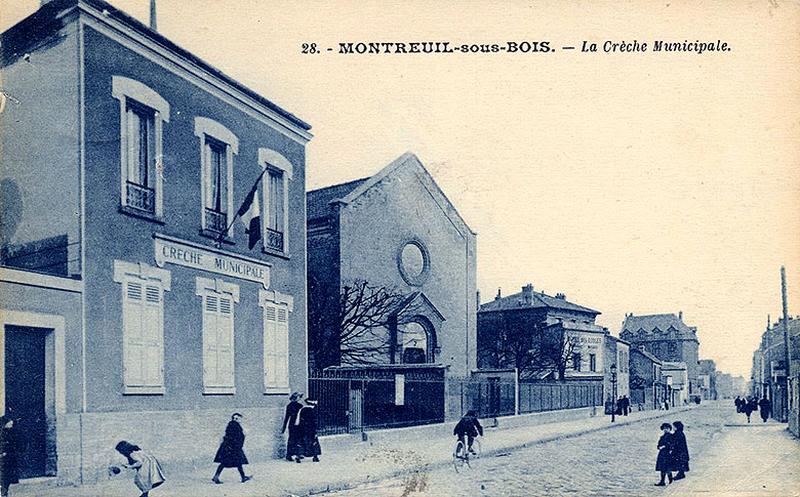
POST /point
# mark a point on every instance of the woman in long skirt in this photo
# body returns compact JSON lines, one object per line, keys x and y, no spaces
{"x":149,"y":474}
{"x":307,"y":421}
{"x":680,"y":451}
{"x":231,"y":453}
{"x":294,"y":443}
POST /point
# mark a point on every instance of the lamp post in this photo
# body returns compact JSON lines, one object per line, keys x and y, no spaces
{"x":613,"y":391}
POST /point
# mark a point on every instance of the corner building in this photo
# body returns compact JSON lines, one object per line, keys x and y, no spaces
{"x":127,"y":158}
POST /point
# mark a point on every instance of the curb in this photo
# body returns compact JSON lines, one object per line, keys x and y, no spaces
{"x":336,"y":487}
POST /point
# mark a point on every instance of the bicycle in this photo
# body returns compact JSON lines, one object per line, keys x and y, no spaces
{"x":461,"y":455}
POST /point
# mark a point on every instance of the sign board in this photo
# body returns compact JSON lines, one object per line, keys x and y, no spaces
{"x":183,"y":253}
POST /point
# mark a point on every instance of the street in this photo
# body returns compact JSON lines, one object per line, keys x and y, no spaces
{"x":729,"y":457}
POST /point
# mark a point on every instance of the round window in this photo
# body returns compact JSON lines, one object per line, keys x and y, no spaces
{"x":413,"y":262}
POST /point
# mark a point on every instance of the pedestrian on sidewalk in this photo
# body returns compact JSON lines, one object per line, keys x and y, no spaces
{"x":9,"y":472}
{"x":765,"y":408}
{"x":626,"y":405}
{"x":294,"y":442}
{"x":680,"y":451}
{"x":664,"y":460}
{"x":468,"y":427}
{"x":307,"y":423}
{"x":748,"y":408}
{"x":149,"y":474}
{"x":231,"y":453}
{"x":738,"y":403}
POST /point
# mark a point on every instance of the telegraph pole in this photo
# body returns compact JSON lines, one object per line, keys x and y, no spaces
{"x":153,"y":23}
{"x":787,"y":354}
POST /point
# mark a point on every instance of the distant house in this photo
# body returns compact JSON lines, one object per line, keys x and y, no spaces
{"x":394,"y":241}
{"x":646,"y":383}
{"x":512,"y":330}
{"x":667,"y":337}
{"x":616,"y":353}
{"x":676,"y":376}
{"x":707,"y":379}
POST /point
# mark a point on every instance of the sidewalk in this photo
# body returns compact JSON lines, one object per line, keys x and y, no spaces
{"x":344,"y":466}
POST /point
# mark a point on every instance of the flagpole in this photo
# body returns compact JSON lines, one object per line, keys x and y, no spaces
{"x":233,"y":220}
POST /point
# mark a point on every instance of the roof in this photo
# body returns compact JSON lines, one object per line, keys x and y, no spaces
{"x":539,"y":300}
{"x":318,"y":204}
{"x":671,"y":365}
{"x":571,"y":325}
{"x":54,"y":10}
{"x":346,"y":193}
{"x":654,"y":323}
{"x":647,"y":354}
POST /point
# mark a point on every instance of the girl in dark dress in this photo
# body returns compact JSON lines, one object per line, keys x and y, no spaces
{"x":293,"y":445}
{"x":307,"y":421}
{"x":664,"y":460}
{"x":230,"y":453}
{"x":680,"y":451}
{"x":9,"y":472}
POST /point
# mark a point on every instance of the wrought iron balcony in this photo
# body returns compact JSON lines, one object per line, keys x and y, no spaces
{"x":140,"y":197}
{"x":275,"y":240}
{"x":216,"y":221}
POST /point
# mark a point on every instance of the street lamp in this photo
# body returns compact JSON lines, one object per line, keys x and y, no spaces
{"x":614,"y":391}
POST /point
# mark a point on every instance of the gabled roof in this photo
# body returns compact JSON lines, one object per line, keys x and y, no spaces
{"x":539,"y":300}
{"x":424,"y":301}
{"x":55,"y":9}
{"x":647,"y":354}
{"x":345,"y":193}
{"x":318,"y":201}
{"x":656,"y":323}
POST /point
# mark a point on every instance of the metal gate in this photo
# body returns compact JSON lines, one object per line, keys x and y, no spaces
{"x":355,"y":413}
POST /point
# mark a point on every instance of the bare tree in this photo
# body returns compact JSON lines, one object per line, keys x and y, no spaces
{"x":351,"y":325}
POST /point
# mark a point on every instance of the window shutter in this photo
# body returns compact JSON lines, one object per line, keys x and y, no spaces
{"x":133,"y":346}
{"x":153,"y":336}
{"x":270,"y":346}
{"x":225,"y":343}
{"x":210,"y":306}
{"x":282,"y":349}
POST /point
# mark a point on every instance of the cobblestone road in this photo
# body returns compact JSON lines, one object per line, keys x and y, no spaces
{"x":726,"y":460}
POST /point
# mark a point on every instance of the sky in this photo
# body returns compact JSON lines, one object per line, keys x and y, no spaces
{"x":631,"y":182}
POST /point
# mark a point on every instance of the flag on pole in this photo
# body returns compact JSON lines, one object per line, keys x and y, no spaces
{"x":250,"y":214}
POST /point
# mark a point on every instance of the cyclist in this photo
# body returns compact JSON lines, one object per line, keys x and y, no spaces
{"x":470,"y":427}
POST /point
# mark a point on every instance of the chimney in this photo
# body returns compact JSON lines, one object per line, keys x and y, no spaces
{"x":153,"y":23}
{"x":680,"y":315}
{"x":561,"y":296}
{"x":527,"y":293}
{"x":478,"y":299}
{"x":499,"y":295}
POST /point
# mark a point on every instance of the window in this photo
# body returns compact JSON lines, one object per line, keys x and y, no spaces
{"x":276,"y":340}
{"x":217,"y":300}
{"x":143,"y":290}
{"x":576,"y":362}
{"x":217,"y":147}
{"x":142,"y":114}
{"x":276,"y":197}
{"x":592,"y":362}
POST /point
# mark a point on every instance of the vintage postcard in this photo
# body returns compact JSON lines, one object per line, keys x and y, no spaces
{"x":384,"y":248}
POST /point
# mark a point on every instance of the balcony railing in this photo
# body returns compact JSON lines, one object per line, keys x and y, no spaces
{"x":275,"y":240}
{"x":216,"y":221}
{"x":140,"y":197}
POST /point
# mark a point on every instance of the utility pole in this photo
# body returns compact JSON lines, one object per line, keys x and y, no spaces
{"x":787,"y":354}
{"x":767,"y":358}
{"x":153,"y":24}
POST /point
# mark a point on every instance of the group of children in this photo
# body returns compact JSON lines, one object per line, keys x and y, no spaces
{"x":673,"y":453}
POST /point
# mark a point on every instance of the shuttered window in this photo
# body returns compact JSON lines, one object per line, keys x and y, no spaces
{"x":143,"y":336}
{"x":276,"y":347}
{"x":218,"y":352}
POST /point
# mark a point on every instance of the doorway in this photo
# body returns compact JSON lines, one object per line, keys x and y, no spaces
{"x":29,"y":399}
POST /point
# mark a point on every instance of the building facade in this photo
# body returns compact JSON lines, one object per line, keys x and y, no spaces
{"x":509,"y":327}
{"x":646,"y":381}
{"x":707,"y":379}
{"x":617,"y":353}
{"x":129,"y":292}
{"x":769,"y":375}
{"x":667,"y":337}
{"x":676,"y":377}
{"x":391,"y":246}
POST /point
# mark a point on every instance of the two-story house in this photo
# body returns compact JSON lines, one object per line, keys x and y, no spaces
{"x":135,"y":305}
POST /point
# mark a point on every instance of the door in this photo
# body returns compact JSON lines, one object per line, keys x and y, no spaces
{"x":25,"y":396}
{"x":494,"y":396}
{"x":356,"y":407}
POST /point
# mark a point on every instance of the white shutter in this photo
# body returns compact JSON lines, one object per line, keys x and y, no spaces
{"x":270,"y":338}
{"x":225,"y":377}
{"x":282,"y":348}
{"x":153,"y":337}
{"x":133,"y":346}
{"x":210,"y":306}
